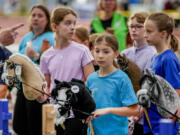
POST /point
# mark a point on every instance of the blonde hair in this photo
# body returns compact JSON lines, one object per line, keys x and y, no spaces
{"x":111,"y":41}
{"x":82,"y":33}
{"x":165,"y":23}
{"x":101,"y":7}
{"x":59,"y":13}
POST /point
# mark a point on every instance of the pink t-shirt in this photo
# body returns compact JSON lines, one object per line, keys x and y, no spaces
{"x":65,"y":64}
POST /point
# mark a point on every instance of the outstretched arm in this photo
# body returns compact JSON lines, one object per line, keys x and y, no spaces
{"x":121,"y":111}
{"x":8,"y":36}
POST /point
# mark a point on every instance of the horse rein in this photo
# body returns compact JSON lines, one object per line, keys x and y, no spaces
{"x":15,"y":80}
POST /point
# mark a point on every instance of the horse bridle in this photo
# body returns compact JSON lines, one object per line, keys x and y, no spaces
{"x":67,"y":102}
{"x":16,"y":78}
{"x":154,"y":80}
{"x":17,"y":71}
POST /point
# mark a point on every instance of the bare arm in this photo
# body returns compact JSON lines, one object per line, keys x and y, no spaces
{"x":48,"y":80}
{"x":8,"y":36}
{"x":3,"y":90}
{"x":88,"y":69}
{"x":121,"y":111}
{"x":44,"y":97}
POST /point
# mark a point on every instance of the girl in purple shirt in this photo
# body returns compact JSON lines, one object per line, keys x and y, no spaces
{"x":66,"y":60}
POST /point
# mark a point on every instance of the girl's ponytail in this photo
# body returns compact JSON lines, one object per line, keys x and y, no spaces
{"x":174,"y":43}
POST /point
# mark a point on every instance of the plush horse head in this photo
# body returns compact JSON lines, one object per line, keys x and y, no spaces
{"x":157,"y":90}
{"x":73,"y":96}
{"x":131,"y":69}
{"x":19,"y":68}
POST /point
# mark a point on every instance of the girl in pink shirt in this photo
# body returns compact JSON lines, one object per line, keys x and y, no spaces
{"x":66,"y":60}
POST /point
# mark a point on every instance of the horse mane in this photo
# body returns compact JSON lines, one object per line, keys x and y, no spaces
{"x":147,"y":76}
{"x":30,"y":61}
{"x":32,"y":77}
{"x":131,"y":69}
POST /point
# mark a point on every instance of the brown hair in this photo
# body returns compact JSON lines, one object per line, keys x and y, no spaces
{"x":165,"y":23}
{"x":92,"y":39}
{"x":110,"y":41}
{"x":59,"y":13}
{"x":46,"y":11}
{"x":82,"y":33}
{"x":140,"y":17}
{"x":101,"y":7}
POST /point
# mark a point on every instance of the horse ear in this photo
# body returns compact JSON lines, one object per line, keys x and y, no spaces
{"x":56,"y":81}
{"x":148,"y":72}
{"x":125,"y":58}
{"x":76,"y":80}
{"x":54,"y":93}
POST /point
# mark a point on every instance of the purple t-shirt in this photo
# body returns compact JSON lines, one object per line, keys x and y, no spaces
{"x":65,"y":64}
{"x":141,"y":56}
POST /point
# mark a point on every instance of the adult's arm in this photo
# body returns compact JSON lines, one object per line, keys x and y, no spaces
{"x":8,"y":36}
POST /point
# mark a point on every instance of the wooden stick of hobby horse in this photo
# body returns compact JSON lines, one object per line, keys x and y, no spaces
{"x":91,"y":128}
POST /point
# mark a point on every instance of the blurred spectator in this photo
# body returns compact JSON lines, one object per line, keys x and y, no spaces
{"x":10,"y":6}
{"x":168,"y":5}
{"x":109,"y":18}
{"x":174,"y":5}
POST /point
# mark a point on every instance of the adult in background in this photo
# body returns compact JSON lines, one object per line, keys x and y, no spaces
{"x":27,"y":118}
{"x":108,"y":17}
